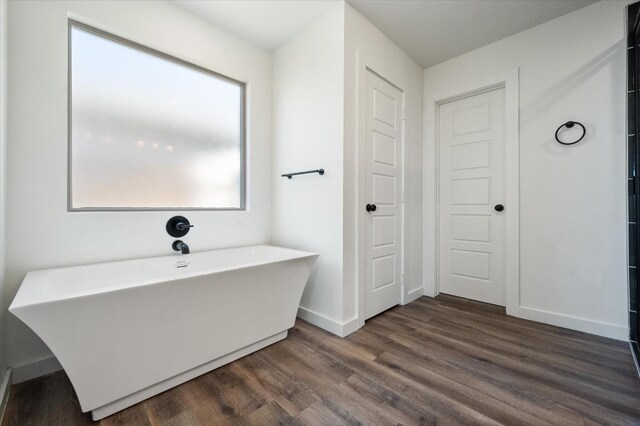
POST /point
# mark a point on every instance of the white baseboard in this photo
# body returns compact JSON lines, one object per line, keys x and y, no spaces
{"x":349,"y":327}
{"x":413,"y":295}
{"x":429,"y":291}
{"x":341,"y":329}
{"x":33,"y":369}
{"x":574,"y":323}
{"x":5,"y":389}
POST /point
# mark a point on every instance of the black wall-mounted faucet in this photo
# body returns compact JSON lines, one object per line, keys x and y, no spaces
{"x":180,"y":246}
{"x":179,"y":226}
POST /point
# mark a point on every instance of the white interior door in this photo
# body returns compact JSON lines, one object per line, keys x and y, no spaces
{"x":471,"y":138}
{"x":383,"y":191}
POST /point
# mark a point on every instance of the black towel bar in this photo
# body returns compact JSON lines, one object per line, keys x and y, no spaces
{"x":306,"y":172}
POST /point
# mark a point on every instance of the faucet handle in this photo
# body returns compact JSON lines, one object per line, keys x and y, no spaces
{"x":181,"y":226}
{"x":178,"y":226}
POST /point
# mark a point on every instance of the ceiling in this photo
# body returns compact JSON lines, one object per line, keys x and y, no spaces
{"x":433,"y":31}
{"x":267,"y":23}
{"x":430,"y":31}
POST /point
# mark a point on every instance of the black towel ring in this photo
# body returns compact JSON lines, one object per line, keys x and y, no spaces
{"x":568,"y":125}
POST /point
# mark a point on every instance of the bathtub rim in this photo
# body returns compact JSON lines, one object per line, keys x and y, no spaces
{"x":36,"y":275}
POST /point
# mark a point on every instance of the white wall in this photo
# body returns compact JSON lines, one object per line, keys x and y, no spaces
{"x":3,"y":164}
{"x":366,"y":46}
{"x":572,"y":199}
{"x":42,"y":233}
{"x":317,"y":93}
{"x":308,"y":114}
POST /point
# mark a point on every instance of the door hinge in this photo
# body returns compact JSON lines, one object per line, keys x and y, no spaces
{"x":404,"y":113}
{"x":402,"y":196}
{"x":401,"y":279}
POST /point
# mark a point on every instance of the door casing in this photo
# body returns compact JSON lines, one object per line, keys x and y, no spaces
{"x":508,"y":81}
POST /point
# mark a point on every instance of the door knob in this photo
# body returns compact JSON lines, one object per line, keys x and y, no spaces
{"x":499,"y":207}
{"x":371,"y":208}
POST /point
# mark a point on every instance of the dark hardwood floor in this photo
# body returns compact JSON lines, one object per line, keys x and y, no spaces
{"x":434,"y":361}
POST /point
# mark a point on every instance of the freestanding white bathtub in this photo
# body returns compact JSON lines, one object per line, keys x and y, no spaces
{"x":125,"y":331}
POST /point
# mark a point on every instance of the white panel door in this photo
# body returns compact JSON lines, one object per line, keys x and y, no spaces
{"x":471,"y":137}
{"x":383,"y":191}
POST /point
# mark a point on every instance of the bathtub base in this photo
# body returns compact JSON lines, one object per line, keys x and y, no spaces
{"x":134,"y":398}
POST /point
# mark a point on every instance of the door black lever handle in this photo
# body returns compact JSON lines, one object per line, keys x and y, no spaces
{"x":499,"y":207}
{"x":371,"y":208}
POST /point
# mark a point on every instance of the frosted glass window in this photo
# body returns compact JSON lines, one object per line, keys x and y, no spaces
{"x":148,"y":131}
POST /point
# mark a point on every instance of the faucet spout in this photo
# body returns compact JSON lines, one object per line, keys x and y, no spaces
{"x":180,"y":246}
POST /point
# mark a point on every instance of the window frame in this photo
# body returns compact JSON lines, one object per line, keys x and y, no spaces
{"x":167,"y":57}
